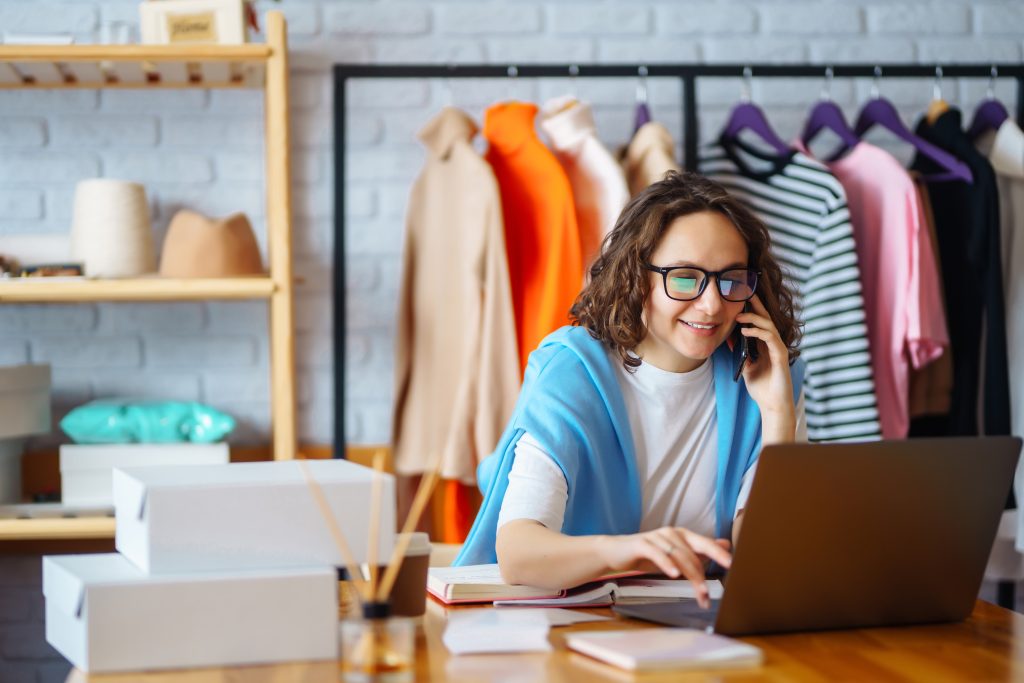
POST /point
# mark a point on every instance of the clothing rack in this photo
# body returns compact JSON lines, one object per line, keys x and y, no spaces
{"x":687,"y":73}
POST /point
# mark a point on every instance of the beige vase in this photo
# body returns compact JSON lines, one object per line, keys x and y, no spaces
{"x":110,"y":229}
{"x":197,"y":246}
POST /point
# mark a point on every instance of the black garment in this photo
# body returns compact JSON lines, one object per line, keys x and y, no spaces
{"x":967,"y":227}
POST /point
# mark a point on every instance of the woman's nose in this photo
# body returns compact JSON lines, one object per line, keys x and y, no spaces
{"x":710,"y":300}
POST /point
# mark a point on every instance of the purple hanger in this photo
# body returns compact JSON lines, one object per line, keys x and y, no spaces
{"x":643,"y":115}
{"x":748,"y":116}
{"x":643,"y":112}
{"x":989,"y":115}
{"x":880,"y":111}
{"x":826,"y":114}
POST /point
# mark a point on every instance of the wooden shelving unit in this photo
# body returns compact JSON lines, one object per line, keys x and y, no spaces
{"x":41,"y":290}
{"x":262,"y":66}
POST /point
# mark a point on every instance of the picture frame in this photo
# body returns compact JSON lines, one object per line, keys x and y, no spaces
{"x":164,"y":22}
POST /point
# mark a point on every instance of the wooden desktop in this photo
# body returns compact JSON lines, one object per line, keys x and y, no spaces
{"x":988,"y":646}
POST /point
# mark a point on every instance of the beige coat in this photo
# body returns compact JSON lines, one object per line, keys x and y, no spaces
{"x":649,"y":156}
{"x":598,"y":185}
{"x":456,"y":362}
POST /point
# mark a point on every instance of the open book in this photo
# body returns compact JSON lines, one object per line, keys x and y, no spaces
{"x":483,"y":583}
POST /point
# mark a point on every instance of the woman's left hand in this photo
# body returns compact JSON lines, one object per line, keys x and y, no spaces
{"x":768,"y":380}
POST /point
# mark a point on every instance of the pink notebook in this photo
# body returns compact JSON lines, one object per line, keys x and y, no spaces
{"x":665,"y":648}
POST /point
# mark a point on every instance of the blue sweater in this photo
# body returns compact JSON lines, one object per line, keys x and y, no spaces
{"x":572,"y":405}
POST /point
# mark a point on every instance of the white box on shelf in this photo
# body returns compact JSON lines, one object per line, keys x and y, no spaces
{"x":24,"y":400}
{"x":87,"y":470}
{"x":253,"y":514}
{"x":105,"y":615}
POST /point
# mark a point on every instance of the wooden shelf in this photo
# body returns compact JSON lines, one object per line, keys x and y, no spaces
{"x":260,"y":66}
{"x":33,"y":290}
{"x":49,"y":529}
{"x":133,"y":66}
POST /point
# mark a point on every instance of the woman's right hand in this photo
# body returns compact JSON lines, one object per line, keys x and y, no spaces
{"x":673,"y":551}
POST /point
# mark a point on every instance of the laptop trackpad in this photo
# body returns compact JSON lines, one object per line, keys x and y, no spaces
{"x":685,"y":613}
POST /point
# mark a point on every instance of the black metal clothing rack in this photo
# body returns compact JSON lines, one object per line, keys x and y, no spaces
{"x":687,"y":73}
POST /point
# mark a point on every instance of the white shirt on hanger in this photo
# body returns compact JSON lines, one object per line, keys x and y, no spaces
{"x":1005,"y":149}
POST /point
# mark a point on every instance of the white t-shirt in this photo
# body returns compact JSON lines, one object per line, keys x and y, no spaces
{"x":675,"y":433}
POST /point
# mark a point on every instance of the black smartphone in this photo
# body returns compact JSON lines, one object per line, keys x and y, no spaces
{"x":747,"y":347}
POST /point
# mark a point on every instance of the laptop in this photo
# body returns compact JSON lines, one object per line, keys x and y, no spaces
{"x":856,"y":535}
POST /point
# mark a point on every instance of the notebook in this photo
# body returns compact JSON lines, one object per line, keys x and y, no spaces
{"x":483,"y":583}
{"x":652,"y":649}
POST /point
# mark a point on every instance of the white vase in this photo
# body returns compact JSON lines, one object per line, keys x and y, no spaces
{"x":110,"y":229}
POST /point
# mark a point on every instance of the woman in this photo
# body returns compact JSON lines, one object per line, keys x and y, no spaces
{"x":633,"y":445}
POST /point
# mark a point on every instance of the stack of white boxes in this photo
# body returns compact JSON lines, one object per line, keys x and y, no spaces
{"x":217,"y":565}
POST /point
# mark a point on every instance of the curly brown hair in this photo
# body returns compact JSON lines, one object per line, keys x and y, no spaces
{"x":611,"y":304}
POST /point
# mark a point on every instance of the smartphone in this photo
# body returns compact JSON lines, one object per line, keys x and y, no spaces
{"x":747,"y":347}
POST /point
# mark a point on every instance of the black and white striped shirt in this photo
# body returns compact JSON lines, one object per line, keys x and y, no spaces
{"x":804,"y":208}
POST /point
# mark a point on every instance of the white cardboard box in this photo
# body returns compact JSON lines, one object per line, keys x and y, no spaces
{"x":105,"y":615}
{"x":253,"y":514}
{"x":87,"y":470}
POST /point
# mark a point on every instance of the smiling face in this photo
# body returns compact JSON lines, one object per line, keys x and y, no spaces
{"x":681,"y":335}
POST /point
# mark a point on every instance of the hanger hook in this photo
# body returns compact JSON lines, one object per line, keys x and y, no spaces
{"x":826,"y":87}
{"x":513,"y":74}
{"x":748,"y":82}
{"x":937,"y":85}
{"x":990,"y":92}
{"x":641,"y":84}
{"x":449,"y":96}
{"x":876,"y":90}
{"x":574,"y":71}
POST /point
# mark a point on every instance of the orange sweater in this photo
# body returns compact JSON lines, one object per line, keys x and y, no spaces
{"x":541,"y":236}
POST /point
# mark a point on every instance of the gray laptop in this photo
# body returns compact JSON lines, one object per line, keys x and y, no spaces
{"x":856,"y":535}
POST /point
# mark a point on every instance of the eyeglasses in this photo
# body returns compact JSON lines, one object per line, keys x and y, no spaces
{"x":686,"y":283}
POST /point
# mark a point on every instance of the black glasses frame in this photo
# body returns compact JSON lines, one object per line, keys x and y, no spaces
{"x":704,"y":282}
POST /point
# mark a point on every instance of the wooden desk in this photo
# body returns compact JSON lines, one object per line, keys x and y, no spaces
{"x":989,"y":646}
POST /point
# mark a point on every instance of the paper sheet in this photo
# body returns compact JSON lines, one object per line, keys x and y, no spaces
{"x":497,"y":630}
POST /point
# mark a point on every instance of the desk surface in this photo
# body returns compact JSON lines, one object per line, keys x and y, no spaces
{"x":988,"y":646}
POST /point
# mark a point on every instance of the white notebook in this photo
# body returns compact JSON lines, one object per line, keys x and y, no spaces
{"x":651,"y":649}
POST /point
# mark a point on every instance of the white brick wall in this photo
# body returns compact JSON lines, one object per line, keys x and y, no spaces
{"x":204,"y":150}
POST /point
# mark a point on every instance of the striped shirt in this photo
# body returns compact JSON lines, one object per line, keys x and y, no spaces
{"x":804,"y":208}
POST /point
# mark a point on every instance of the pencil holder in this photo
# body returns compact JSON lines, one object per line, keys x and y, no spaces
{"x":377,"y":648}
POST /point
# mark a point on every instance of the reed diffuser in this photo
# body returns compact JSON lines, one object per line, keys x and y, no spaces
{"x":377,"y":646}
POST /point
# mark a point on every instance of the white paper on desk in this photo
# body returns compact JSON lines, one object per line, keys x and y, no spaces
{"x":563,"y":617}
{"x":493,"y":630}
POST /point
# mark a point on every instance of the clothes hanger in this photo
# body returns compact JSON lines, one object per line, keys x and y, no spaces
{"x":513,"y":79}
{"x":938,"y":106}
{"x":880,"y":111}
{"x":991,"y":113}
{"x":449,"y":95}
{"x":748,"y":116}
{"x":643,"y":112}
{"x":827,"y":114}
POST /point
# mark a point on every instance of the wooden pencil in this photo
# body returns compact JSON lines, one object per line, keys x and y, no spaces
{"x":375,"y":515}
{"x":362,"y":588}
{"x":419,"y":503}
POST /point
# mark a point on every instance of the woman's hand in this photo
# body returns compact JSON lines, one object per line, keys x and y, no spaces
{"x":673,"y":551}
{"x":768,"y":380}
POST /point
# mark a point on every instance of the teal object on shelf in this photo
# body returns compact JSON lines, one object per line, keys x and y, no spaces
{"x":109,"y":421}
